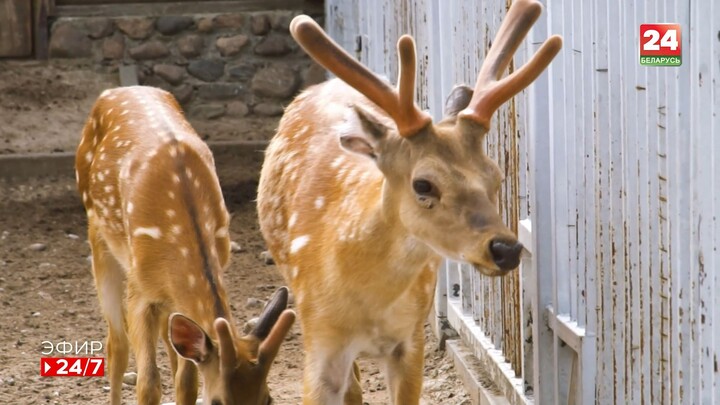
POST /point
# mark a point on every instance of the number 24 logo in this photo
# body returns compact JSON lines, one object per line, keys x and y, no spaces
{"x":669,"y":40}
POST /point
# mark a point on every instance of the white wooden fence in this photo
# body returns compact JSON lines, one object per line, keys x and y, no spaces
{"x":614,"y":168}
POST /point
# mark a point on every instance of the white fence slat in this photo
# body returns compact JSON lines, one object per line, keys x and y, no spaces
{"x":616,"y":166}
{"x":712,"y":260}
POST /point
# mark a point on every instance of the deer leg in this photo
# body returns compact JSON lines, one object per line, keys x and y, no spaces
{"x":143,"y":322}
{"x":353,"y":396}
{"x":186,"y":383}
{"x":328,"y":367}
{"x":405,"y":370}
{"x":109,"y":282}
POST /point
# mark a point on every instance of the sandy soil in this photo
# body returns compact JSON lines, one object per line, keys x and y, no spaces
{"x":47,"y":294}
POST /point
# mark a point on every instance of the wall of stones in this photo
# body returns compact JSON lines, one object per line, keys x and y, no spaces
{"x":217,"y":65}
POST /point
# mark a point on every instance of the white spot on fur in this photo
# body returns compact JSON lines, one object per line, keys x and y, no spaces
{"x":176,"y":179}
{"x":170,"y":213}
{"x":176,"y":229}
{"x":108,"y":189}
{"x":299,"y":243}
{"x":89,"y":156}
{"x":173,"y":151}
{"x":130,"y":207}
{"x":293,"y":219}
{"x":153,"y":232}
{"x":184,"y":251}
{"x":100,"y":176}
{"x":171,"y":194}
{"x":319,"y":202}
{"x":85,"y":196}
{"x":188,"y":173}
{"x":294,"y":272}
{"x":191,"y":280}
{"x":337,"y":162}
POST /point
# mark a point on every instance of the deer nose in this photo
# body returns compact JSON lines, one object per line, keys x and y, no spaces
{"x":506,"y":254}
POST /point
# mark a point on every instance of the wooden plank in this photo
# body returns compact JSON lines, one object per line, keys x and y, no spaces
{"x":196,"y":7}
{"x":481,"y":390}
{"x":41,"y":11}
{"x":15,"y":28}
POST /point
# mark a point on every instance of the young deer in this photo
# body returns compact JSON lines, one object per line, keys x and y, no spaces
{"x":361,"y":195}
{"x":158,"y":226}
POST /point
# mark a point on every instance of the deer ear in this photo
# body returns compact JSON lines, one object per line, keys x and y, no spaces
{"x":362,"y":132}
{"x":188,"y":339}
{"x":457,"y":100}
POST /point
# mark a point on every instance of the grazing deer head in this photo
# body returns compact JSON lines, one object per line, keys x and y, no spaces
{"x":158,"y":229}
{"x":235,"y":368}
{"x":361,"y":195}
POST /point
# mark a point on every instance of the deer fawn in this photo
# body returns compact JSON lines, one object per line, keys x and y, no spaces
{"x":361,"y":195}
{"x":158,"y":227}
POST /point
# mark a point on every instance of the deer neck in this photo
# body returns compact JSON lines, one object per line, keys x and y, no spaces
{"x":382,"y":238}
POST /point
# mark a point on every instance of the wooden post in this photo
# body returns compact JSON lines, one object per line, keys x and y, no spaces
{"x":41,"y":30}
{"x":15,"y":28}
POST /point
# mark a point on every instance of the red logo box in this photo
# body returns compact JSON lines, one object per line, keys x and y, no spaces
{"x":660,"y":45}
{"x":72,"y":367}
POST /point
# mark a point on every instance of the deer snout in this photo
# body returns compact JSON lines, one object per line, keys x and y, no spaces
{"x":506,"y":254}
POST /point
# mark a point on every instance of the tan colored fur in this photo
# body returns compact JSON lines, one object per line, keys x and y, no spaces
{"x":361,"y":195}
{"x":363,"y":280}
{"x":158,"y":229}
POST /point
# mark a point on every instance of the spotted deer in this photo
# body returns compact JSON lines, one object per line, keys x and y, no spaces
{"x":158,"y":229}
{"x":361,"y":195}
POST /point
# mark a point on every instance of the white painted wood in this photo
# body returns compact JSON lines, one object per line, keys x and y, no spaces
{"x":617,"y":168}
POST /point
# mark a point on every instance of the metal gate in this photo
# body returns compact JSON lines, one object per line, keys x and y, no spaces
{"x":613,"y":180}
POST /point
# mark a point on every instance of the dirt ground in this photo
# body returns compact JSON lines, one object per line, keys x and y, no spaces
{"x":46,"y":290}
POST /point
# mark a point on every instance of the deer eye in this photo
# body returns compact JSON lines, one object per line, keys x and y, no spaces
{"x":423,"y":187}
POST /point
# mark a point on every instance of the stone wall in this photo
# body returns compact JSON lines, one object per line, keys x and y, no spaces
{"x":216,"y":65}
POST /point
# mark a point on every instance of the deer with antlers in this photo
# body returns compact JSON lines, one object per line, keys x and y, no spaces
{"x":361,"y":196}
{"x":158,"y":230}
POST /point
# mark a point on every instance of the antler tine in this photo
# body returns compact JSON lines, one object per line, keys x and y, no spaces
{"x":490,"y":92}
{"x":329,"y":54}
{"x":414,"y":119}
{"x":225,"y":340}
{"x":271,"y":345}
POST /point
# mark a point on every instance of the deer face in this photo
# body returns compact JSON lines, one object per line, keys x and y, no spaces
{"x":234,"y":369}
{"x":442,"y":185}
